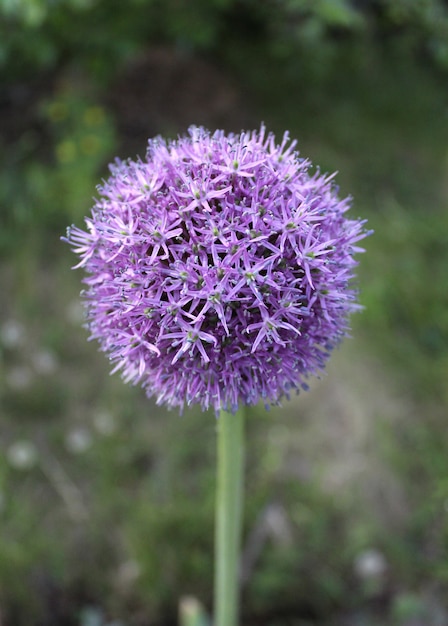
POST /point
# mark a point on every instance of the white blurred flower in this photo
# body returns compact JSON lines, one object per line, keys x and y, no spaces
{"x":19,"y":377}
{"x":128,"y":572}
{"x":191,"y":611}
{"x":12,"y":334}
{"x":104,"y":423}
{"x":44,"y":361}
{"x":22,"y":455}
{"x":78,"y":440}
{"x":75,"y":312}
{"x":370,"y":564}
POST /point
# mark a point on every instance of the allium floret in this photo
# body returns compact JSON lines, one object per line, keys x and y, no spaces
{"x":219,"y":269}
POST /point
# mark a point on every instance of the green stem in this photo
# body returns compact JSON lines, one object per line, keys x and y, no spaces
{"x":229,"y":495}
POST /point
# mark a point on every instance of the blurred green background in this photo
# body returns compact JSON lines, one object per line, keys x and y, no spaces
{"x":106,"y":501}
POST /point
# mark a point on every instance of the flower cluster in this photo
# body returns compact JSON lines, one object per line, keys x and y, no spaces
{"x":218,"y":269}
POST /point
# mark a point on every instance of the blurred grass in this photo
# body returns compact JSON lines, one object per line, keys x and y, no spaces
{"x":106,"y":501}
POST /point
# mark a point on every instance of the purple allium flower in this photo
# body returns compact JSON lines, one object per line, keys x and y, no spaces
{"x":219,"y":269}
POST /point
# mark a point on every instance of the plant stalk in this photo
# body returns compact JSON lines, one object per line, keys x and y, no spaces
{"x":228,"y":520}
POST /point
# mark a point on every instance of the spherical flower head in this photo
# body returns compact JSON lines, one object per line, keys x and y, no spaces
{"x":219,"y":269}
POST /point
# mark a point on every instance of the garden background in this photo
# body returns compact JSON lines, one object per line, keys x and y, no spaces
{"x":106,"y":501}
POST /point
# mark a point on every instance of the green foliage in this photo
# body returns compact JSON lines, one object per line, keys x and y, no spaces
{"x":83,"y":139}
{"x":171,"y":568}
{"x":54,"y":192}
{"x":36,"y":35}
{"x":411,"y":305}
{"x":316,"y":522}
